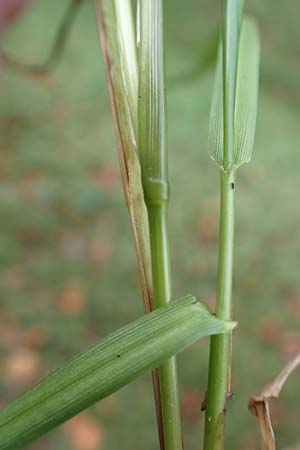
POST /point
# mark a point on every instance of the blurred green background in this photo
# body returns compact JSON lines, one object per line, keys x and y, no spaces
{"x":67,"y":264}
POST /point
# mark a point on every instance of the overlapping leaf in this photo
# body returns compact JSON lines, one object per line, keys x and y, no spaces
{"x":118,"y":42}
{"x":106,"y":367}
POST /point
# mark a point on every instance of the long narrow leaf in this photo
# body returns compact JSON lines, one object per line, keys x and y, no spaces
{"x":232,"y":13}
{"x":109,"y":365}
{"x":246,"y":94}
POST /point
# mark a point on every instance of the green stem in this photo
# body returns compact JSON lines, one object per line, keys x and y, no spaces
{"x":152,"y":147}
{"x":220,"y":353}
{"x":158,"y":220}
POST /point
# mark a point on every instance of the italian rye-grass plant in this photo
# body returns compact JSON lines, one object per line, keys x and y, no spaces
{"x":135,"y":68}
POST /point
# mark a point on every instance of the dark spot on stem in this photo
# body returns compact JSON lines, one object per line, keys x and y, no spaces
{"x":232,"y":185}
{"x":118,"y":356}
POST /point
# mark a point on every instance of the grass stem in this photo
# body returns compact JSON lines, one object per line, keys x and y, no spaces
{"x":220,"y":352}
{"x":158,"y":219}
{"x":154,"y":162}
{"x":219,"y":377}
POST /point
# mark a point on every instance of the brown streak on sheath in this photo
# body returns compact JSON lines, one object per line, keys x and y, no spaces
{"x":147,"y":297}
{"x":146,"y":292}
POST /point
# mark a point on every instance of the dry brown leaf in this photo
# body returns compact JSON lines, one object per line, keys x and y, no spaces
{"x":259,"y":404}
{"x":84,"y":432}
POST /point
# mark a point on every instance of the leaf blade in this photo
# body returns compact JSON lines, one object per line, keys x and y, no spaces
{"x":246,"y":96}
{"x":106,"y":367}
{"x":246,"y":92}
{"x":232,"y":13}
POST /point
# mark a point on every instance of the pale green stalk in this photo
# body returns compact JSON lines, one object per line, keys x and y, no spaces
{"x":219,"y":378}
{"x":220,"y":352}
{"x":232,"y":127}
{"x":153,"y":156}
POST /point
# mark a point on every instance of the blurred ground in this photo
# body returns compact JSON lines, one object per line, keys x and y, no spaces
{"x":68,"y":273}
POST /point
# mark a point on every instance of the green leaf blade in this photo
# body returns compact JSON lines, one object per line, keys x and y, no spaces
{"x":115,"y":361}
{"x":231,"y":12}
{"x":246,"y":95}
{"x":246,"y":91}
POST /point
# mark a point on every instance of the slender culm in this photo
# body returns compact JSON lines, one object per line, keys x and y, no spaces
{"x":153,"y":156}
{"x":220,"y":351}
{"x":232,"y":126}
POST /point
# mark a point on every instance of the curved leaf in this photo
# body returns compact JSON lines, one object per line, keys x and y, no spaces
{"x":109,"y":365}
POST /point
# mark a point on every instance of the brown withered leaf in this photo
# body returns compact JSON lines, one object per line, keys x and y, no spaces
{"x":260,"y":407}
